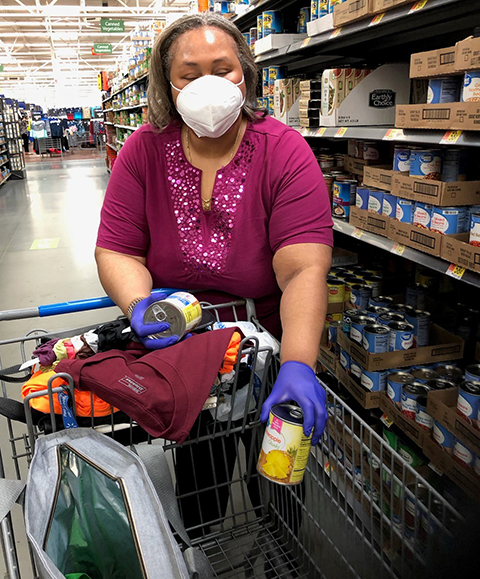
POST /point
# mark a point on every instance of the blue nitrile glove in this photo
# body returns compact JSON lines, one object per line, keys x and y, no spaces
{"x":297,"y":381}
{"x":144,"y":330}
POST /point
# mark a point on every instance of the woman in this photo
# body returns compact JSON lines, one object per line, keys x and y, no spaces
{"x":215,"y":197}
{"x":25,"y":131}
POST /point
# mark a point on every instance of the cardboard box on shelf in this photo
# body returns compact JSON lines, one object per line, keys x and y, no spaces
{"x":363,"y":396}
{"x":433,"y":63}
{"x":416,"y":237}
{"x":350,"y":11}
{"x":368,"y":221}
{"x":383,"y":5}
{"x":320,"y":25}
{"x":274,"y":41}
{"x":444,"y":346}
{"x":373,"y":100}
{"x":342,"y":257}
{"x":356,"y":166}
{"x":448,"y":116}
{"x":327,"y":359}
{"x":456,"y":249}
{"x":464,"y":477}
{"x":436,"y":192}
{"x":286,"y":101}
{"x":379,"y":177}
{"x":442,"y":407}
{"x":467,"y":54}
{"x":406,"y":425}
{"x":337,"y":308}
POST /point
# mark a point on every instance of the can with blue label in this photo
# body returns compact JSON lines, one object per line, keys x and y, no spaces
{"x":361,"y":199}
{"x":347,"y":317}
{"x":420,"y":320}
{"x":375,"y":201}
{"x":313,"y":10}
{"x":374,"y":381}
{"x":303,"y":18}
{"x":401,"y":159}
{"x":440,"y":384}
{"x":422,"y":418}
{"x":463,"y":454}
{"x":389,"y":205}
{"x":422,"y":214}
{"x":265,"y":79}
{"x":246,"y":35}
{"x":381,"y":301}
{"x":332,"y":343}
{"x":332,"y":4}
{"x":259,"y":26}
{"x":423,"y":375}
{"x":471,"y":87}
{"x":386,"y":319}
{"x":375,"y":282}
{"x":404,"y":210}
{"x":449,"y":220}
{"x":410,"y":393}
{"x":415,"y":295}
{"x":426,"y":164}
{"x":454,"y":166}
{"x":272,"y":22}
{"x":452,"y":373}
{"x":274,"y":73}
{"x":401,"y":336}
{"x":357,"y":325}
{"x":468,"y":402}
{"x":355,"y":370}
{"x":472,"y":373}
{"x":345,"y":360}
{"x":375,"y":338}
{"x":360,"y":295}
{"x":443,"y":437}
{"x":343,"y":196}
{"x":375,"y":311}
{"x":395,"y":382}
{"x":444,"y":90}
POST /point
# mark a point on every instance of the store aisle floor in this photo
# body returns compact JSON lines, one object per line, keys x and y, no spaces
{"x":48,"y":226}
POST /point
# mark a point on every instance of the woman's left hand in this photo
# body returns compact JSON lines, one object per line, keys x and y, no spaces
{"x":297,"y":381}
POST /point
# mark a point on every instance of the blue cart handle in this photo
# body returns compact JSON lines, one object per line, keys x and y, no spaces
{"x":68,"y":307}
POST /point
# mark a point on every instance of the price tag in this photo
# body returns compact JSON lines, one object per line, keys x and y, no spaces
{"x":306,"y":41}
{"x":387,"y":421}
{"x":341,"y":131}
{"x":376,"y":19}
{"x":450,"y":137}
{"x":321,"y":131}
{"x":303,"y":131}
{"x":455,"y":271}
{"x":418,"y":6}
{"x":335,"y":33}
{"x":357,"y":233}
{"x":398,"y":248}
{"x":393,"y":135}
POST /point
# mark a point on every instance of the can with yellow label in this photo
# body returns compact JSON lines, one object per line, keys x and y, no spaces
{"x":181,"y":310}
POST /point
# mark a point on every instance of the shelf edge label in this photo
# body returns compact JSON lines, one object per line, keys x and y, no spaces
{"x":357,"y":233}
{"x":455,"y":271}
{"x":335,"y":33}
{"x":450,"y":137}
{"x":417,"y":6}
{"x":393,"y":135}
{"x":306,"y":41}
{"x":341,"y":131}
{"x":321,"y":131}
{"x":376,"y":19}
{"x":398,"y":248}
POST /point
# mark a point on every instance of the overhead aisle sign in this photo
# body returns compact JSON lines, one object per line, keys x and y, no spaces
{"x":102,"y":48}
{"x":110,"y":25}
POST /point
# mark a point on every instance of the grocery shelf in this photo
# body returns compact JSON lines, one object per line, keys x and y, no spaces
{"x":249,"y":18}
{"x":421,"y":26}
{"x":128,"y":108}
{"x":3,"y":163}
{"x":126,"y":127}
{"x":139,"y":79}
{"x":386,"y":244}
{"x":429,"y":137}
{"x":4,"y":151}
{"x":6,"y":179}
{"x":108,"y":123}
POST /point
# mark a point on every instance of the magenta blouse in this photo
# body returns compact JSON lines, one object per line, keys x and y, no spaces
{"x":272,"y":194}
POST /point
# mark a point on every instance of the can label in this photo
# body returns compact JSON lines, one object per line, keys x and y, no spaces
{"x":475,"y":230}
{"x":443,"y":90}
{"x":426,"y":165}
{"x":394,"y":391}
{"x":422,"y":215}
{"x":421,"y":330}
{"x":303,"y":18}
{"x":471,"y":87}
{"x":462,"y":454}
{"x":181,"y":310}
{"x":375,"y":343}
{"x":344,"y":195}
{"x":259,"y":27}
{"x":400,"y":340}
{"x":468,"y":405}
{"x":355,"y":369}
{"x":423,"y":419}
{"x":442,"y":436}
{"x":336,"y":292}
{"x":272,"y":22}
{"x":454,"y":166}
{"x":314,"y":10}
{"x":374,"y":381}
{"x":389,"y":205}
{"x":409,"y":405}
{"x":345,"y":360}
{"x":285,"y":449}
{"x":449,"y":220}
{"x":375,"y":201}
{"x":404,"y":211}
{"x":362,"y":197}
{"x":401,"y":160}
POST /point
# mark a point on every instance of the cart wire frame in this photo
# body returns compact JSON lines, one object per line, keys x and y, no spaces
{"x":361,"y":511}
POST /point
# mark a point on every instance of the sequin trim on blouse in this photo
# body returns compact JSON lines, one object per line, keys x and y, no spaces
{"x":209,"y":253}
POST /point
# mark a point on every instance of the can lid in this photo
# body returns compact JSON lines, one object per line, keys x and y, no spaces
{"x":400,"y":326}
{"x":401,"y":377}
{"x":288,"y":412}
{"x":415,"y":388}
{"x":377,"y":329}
{"x":440,"y":384}
{"x":471,"y":387}
{"x":473,"y":369}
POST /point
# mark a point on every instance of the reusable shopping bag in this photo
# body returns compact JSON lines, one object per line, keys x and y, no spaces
{"x":91,"y":507}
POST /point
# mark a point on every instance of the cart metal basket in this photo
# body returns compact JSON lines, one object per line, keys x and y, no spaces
{"x":361,"y":511}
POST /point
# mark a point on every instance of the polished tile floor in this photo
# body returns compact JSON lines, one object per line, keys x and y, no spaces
{"x":48,"y":225}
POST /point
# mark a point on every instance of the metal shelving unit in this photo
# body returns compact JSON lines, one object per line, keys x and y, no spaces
{"x":126,"y":127}
{"x":139,"y":79}
{"x":249,"y":18}
{"x":128,"y":108}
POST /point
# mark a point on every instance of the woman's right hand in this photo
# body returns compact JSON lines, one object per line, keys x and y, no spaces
{"x":145,"y":330}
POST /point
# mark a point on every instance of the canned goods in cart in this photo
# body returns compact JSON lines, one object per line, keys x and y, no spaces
{"x":426,"y":164}
{"x":401,"y":160}
{"x":422,"y":418}
{"x":336,"y":291}
{"x":381,"y":301}
{"x":375,"y":338}
{"x":395,"y":382}
{"x":472,"y":373}
{"x":410,"y":393}
{"x":401,"y":336}
{"x":361,"y":198}
{"x":471,"y":87}
{"x":374,"y":381}
{"x":344,"y":193}
{"x":443,"y":437}
{"x":449,"y":220}
{"x":404,"y":211}
{"x":357,"y":325}
{"x":360,"y":295}
{"x":423,"y":375}
{"x":347,"y":317}
{"x":345,"y":360}
{"x":389,"y":205}
{"x":420,"y":320}
{"x":181,"y":310}
{"x":272,"y":21}
{"x":375,"y":201}
{"x":332,"y":336}
{"x":285,"y":448}
{"x":468,"y":401}
{"x":462,"y":454}
{"x":474,"y":238}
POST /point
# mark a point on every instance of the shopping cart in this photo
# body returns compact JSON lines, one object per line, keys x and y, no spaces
{"x":362,"y":511}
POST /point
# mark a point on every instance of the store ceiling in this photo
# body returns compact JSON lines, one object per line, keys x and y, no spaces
{"x":47,"y":44}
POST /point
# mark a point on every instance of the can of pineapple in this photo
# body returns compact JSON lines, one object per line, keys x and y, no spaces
{"x":285,"y":448}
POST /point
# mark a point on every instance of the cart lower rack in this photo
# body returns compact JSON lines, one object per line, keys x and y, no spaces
{"x":361,"y":511}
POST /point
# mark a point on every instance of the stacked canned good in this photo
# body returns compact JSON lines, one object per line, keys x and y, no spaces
{"x":320,"y":8}
{"x":269,"y":76}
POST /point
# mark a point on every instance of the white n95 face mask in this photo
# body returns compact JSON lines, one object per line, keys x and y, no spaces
{"x":210,"y":105}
